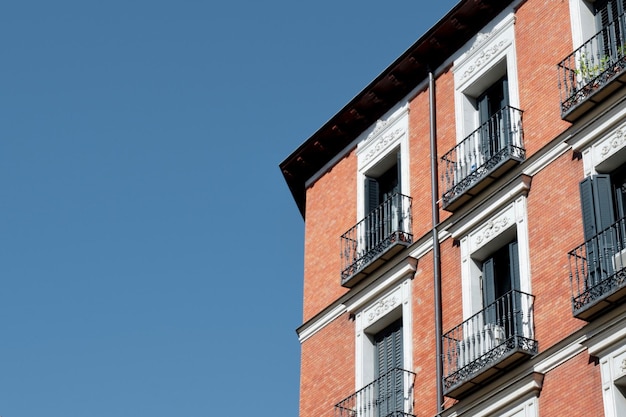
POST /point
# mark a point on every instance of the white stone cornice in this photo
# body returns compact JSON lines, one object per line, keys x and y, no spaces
{"x":316,"y":325}
{"x":369,"y":294}
{"x":560,"y":356}
{"x":607,"y":335}
{"x":490,"y":207}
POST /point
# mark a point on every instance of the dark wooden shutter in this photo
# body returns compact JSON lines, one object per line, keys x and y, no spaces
{"x":489,"y":290}
{"x":588,"y":209}
{"x":603,"y":201}
{"x":514,"y":265}
{"x":596,"y":198}
{"x":516,"y":313}
{"x":371,"y":195}
{"x":483,"y":120}
{"x":371,"y":218}
{"x":389,"y":361}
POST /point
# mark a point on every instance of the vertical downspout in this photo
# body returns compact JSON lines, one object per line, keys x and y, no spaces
{"x":435,"y":236}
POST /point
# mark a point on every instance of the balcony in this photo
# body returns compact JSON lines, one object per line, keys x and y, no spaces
{"x":592,"y":72}
{"x":389,"y":395}
{"x":375,"y":239}
{"x":488,"y":343}
{"x":598,"y":272}
{"x":485,"y":155}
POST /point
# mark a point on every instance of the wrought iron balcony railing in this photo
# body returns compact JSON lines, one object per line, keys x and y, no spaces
{"x":488,"y":342}
{"x":484,"y":155}
{"x":593,"y":71}
{"x":389,"y":395}
{"x":384,"y":231}
{"x":598,"y":272}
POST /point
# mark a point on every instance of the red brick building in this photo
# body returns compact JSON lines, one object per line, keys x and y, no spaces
{"x":465,"y":232}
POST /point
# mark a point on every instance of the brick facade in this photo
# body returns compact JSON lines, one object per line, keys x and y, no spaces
{"x":532,"y":204}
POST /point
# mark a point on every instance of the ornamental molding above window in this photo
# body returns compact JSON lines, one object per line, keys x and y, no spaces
{"x":613,"y":142}
{"x":382,"y":143}
{"x":485,"y":56}
{"x":604,"y":148}
{"x":485,"y":51}
{"x":492,"y":228}
{"x":382,"y":307}
{"x":386,"y":134}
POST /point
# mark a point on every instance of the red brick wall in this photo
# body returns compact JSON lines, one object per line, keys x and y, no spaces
{"x":543,"y":39}
{"x":542,"y":30}
{"x":573,"y":389}
{"x":330,"y":212}
{"x":327,"y":368}
{"x":424,"y":354}
{"x":419,"y":164}
{"x":554,"y":228}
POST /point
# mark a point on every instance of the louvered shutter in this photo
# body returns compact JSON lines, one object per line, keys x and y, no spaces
{"x":389,"y":361}
{"x":483,"y":120}
{"x":514,"y":265}
{"x":517,"y":314}
{"x":506,"y":134}
{"x":596,"y":197}
{"x":372,"y":217}
{"x":605,"y":217}
{"x":489,"y":290}
{"x":397,"y":200}
{"x":588,"y":209}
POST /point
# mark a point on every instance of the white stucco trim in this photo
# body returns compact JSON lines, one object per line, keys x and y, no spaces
{"x":518,"y":399}
{"x":462,"y":227}
{"x":318,"y":324}
{"x":511,"y":219}
{"x":381,"y":311}
{"x":389,"y":133}
{"x":474,"y":70}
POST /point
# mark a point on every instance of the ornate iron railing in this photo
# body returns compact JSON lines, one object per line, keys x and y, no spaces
{"x":504,"y":327}
{"x":598,"y":266}
{"x":592,"y":66}
{"x":389,"y":395}
{"x":388,"y":224}
{"x":497,"y":140}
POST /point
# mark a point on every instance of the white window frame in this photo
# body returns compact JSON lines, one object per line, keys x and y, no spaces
{"x":377,"y":150}
{"x":506,"y":224}
{"x":378,"y":314}
{"x":583,"y":22}
{"x":490,"y":55}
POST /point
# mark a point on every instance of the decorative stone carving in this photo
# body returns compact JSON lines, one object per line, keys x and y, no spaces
{"x":382,"y":307}
{"x":615,"y":142}
{"x":383,"y":142}
{"x":481,"y":38}
{"x":484,"y":57}
{"x":493,"y":228}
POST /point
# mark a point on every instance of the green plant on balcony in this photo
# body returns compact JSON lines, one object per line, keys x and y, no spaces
{"x":588,"y":70}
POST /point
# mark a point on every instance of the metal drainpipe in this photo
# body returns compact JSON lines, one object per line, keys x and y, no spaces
{"x":435,"y":237}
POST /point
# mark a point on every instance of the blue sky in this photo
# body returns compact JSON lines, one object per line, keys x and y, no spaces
{"x":151,"y":253}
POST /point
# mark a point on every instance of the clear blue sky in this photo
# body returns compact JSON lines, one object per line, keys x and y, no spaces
{"x":150,"y":251}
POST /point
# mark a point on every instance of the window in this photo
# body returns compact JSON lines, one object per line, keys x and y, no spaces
{"x":383,"y":202}
{"x":601,"y":28}
{"x":389,"y":361}
{"x":383,"y":356}
{"x":500,"y":290}
{"x":497,"y":300}
{"x":603,"y":199}
{"x":607,"y":12}
{"x":494,"y":120}
{"x":488,"y":119}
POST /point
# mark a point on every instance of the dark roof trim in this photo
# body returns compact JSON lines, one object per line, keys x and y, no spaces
{"x":394,"y":83}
